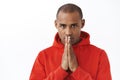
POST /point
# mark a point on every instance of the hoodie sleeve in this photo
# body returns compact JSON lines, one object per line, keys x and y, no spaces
{"x":104,"y":68}
{"x":38,"y":71}
{"x":80,"y":74}
{"x":102,"y":74}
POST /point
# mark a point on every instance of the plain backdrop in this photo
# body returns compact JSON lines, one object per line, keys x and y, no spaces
{"x":27,"y":27}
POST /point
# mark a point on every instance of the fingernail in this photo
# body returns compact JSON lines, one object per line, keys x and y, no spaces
{"x":68,"y":37}
{"x":65,"y":39}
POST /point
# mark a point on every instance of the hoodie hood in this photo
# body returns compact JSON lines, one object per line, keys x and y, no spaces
{"x":84,"y":40}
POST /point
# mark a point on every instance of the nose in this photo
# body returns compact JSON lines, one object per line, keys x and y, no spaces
{"x":68,"y":32}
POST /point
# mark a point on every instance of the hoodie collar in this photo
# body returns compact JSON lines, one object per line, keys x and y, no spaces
{"x":84,"y":40}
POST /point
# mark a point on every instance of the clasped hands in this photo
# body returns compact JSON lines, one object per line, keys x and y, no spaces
{"x":69,"y":61}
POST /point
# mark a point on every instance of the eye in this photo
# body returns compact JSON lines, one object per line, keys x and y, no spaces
{"x":73,"y":25}
{"x":62,"y":26}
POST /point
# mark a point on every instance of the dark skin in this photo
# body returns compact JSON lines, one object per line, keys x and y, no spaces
{"x":69,"y":27}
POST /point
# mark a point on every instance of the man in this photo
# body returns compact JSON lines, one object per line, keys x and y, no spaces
{"x":71,"y":57}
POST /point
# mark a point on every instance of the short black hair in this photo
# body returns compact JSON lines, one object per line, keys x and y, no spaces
{"x":70,"y":8}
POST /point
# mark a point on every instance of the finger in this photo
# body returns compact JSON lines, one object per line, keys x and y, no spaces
{"x":64,"y":63}
{"x":69,"y":40}
{"x":69,"y":48}
{"x":66,"y":39}
{"x":66,"y":45}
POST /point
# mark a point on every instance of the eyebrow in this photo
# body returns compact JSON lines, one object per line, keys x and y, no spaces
{"x":62,"y":24}
{"x":74,"y":24}
{"x":70,"y":24}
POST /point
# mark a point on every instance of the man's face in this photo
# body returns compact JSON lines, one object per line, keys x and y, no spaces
{"x":69,"y":24}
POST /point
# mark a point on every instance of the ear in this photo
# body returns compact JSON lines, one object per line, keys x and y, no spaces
{"x":83,"y":23}
{"x":55,"y":22}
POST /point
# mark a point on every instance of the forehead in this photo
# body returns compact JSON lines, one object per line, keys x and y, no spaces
{"x":68,"y":16}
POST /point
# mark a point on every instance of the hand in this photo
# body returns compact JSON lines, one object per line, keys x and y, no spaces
{"x":73,"y":64}
{"x":69,"y":61}
{"x":64,"y":63}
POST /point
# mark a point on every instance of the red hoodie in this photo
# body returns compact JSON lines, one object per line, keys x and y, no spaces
{"x":93,"y":62}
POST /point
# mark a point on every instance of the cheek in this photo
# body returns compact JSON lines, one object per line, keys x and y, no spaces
{"x":77,"y":35}
{"x":61,"y":33}
{"x":77,"y":32}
